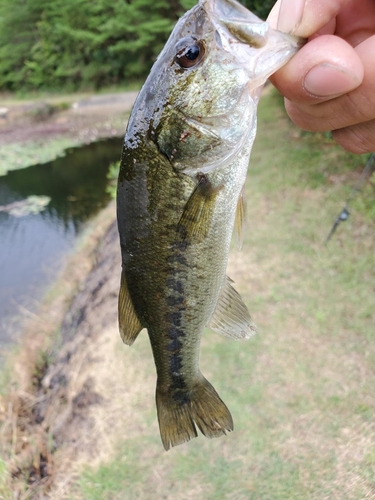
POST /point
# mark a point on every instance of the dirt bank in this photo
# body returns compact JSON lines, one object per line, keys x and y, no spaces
{"x":46,"y":416}
{"x":85,"y":117}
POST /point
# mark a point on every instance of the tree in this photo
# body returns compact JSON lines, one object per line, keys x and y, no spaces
{"x":85,"y":43}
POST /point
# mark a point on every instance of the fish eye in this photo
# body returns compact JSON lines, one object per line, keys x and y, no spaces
{"x":189,"y":52}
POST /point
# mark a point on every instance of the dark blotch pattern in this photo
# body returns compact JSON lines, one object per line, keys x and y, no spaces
{"x":175,"y":363}
{"x":175,"y":300}
{"x":181,"y":397}
{"x":175,"y":318}
{"x":177,"y":258}
{"x":175,"y":345}
{"x":177,"y":286}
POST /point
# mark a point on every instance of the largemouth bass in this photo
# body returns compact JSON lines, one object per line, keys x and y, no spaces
{"x":180,"y":186}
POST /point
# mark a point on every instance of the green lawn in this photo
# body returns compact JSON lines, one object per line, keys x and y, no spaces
{"x":301,"y":392}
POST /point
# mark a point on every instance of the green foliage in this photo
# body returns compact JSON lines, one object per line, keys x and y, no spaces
{"x":46,"y":44}
{"x":112,"y":178}
{"x":260,"y":7}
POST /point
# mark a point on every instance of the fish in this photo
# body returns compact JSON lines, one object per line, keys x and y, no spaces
{"x":180,"y":194}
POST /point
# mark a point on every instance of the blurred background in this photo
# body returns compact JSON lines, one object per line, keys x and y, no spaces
{"x":46,"y":44}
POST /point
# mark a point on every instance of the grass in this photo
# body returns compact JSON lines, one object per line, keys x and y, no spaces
{"x":5,"y":492}
{"x":301,"y":392}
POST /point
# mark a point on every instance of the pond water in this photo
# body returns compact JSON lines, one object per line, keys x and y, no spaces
{"x":32,"y":247}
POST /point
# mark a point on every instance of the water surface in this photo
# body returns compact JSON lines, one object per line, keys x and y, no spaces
{"x":33,"y":247}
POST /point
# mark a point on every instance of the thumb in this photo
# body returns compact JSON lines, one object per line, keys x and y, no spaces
{"x":324,"y":68}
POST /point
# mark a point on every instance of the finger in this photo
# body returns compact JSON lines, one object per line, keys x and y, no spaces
{"x":324,"y":68}
{"x":304,"y":18}
{"x":357,"y":138}
{"x":273,"y":16}
{"x":349,"y":109}
{"x":328,"y":29}
{"x":356,"y":21}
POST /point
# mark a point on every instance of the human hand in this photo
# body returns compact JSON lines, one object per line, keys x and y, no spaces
{"x":330,"y":83}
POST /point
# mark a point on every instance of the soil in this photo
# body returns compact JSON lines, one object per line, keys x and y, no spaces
{"x":89,"y":118}
{"x":46,"y":420}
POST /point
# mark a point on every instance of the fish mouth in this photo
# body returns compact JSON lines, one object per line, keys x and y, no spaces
{"x":245,"y":25}
{"x":242,"y":24}
{"x":296,"y":41}
{"x":228,"y":9}
{"x":259,"y":48}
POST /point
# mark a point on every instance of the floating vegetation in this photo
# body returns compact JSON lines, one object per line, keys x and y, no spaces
{"x":15,"y":156}
{"x":31,"y":205}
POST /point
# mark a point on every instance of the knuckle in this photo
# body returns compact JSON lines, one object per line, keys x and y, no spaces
{"x":298,"y":116}
{"x":305,"y":117}
{"x":358,"y":139}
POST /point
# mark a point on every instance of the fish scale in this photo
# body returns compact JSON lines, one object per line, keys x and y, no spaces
{"x":180,"y":189}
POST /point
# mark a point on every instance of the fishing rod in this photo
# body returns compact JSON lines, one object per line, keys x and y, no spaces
{"x":344,"y":214}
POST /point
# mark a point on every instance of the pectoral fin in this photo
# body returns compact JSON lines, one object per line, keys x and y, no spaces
{"x":129,"y":324}
{"x":231,"y":317}
{"x":240,"y":221}
{"x":195,"y":220}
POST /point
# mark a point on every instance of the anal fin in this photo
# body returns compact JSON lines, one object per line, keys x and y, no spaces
{"x":231,"y":317}
{"x":129,"y":324}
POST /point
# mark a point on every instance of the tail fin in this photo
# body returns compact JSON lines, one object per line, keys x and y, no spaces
{"x":202,"y":406}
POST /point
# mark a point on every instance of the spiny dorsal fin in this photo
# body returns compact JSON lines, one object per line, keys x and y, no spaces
{"x":195,"y":220}
{"x":231,"y":317}
{"x":240,"y":221}
{"x":129,"y":324}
